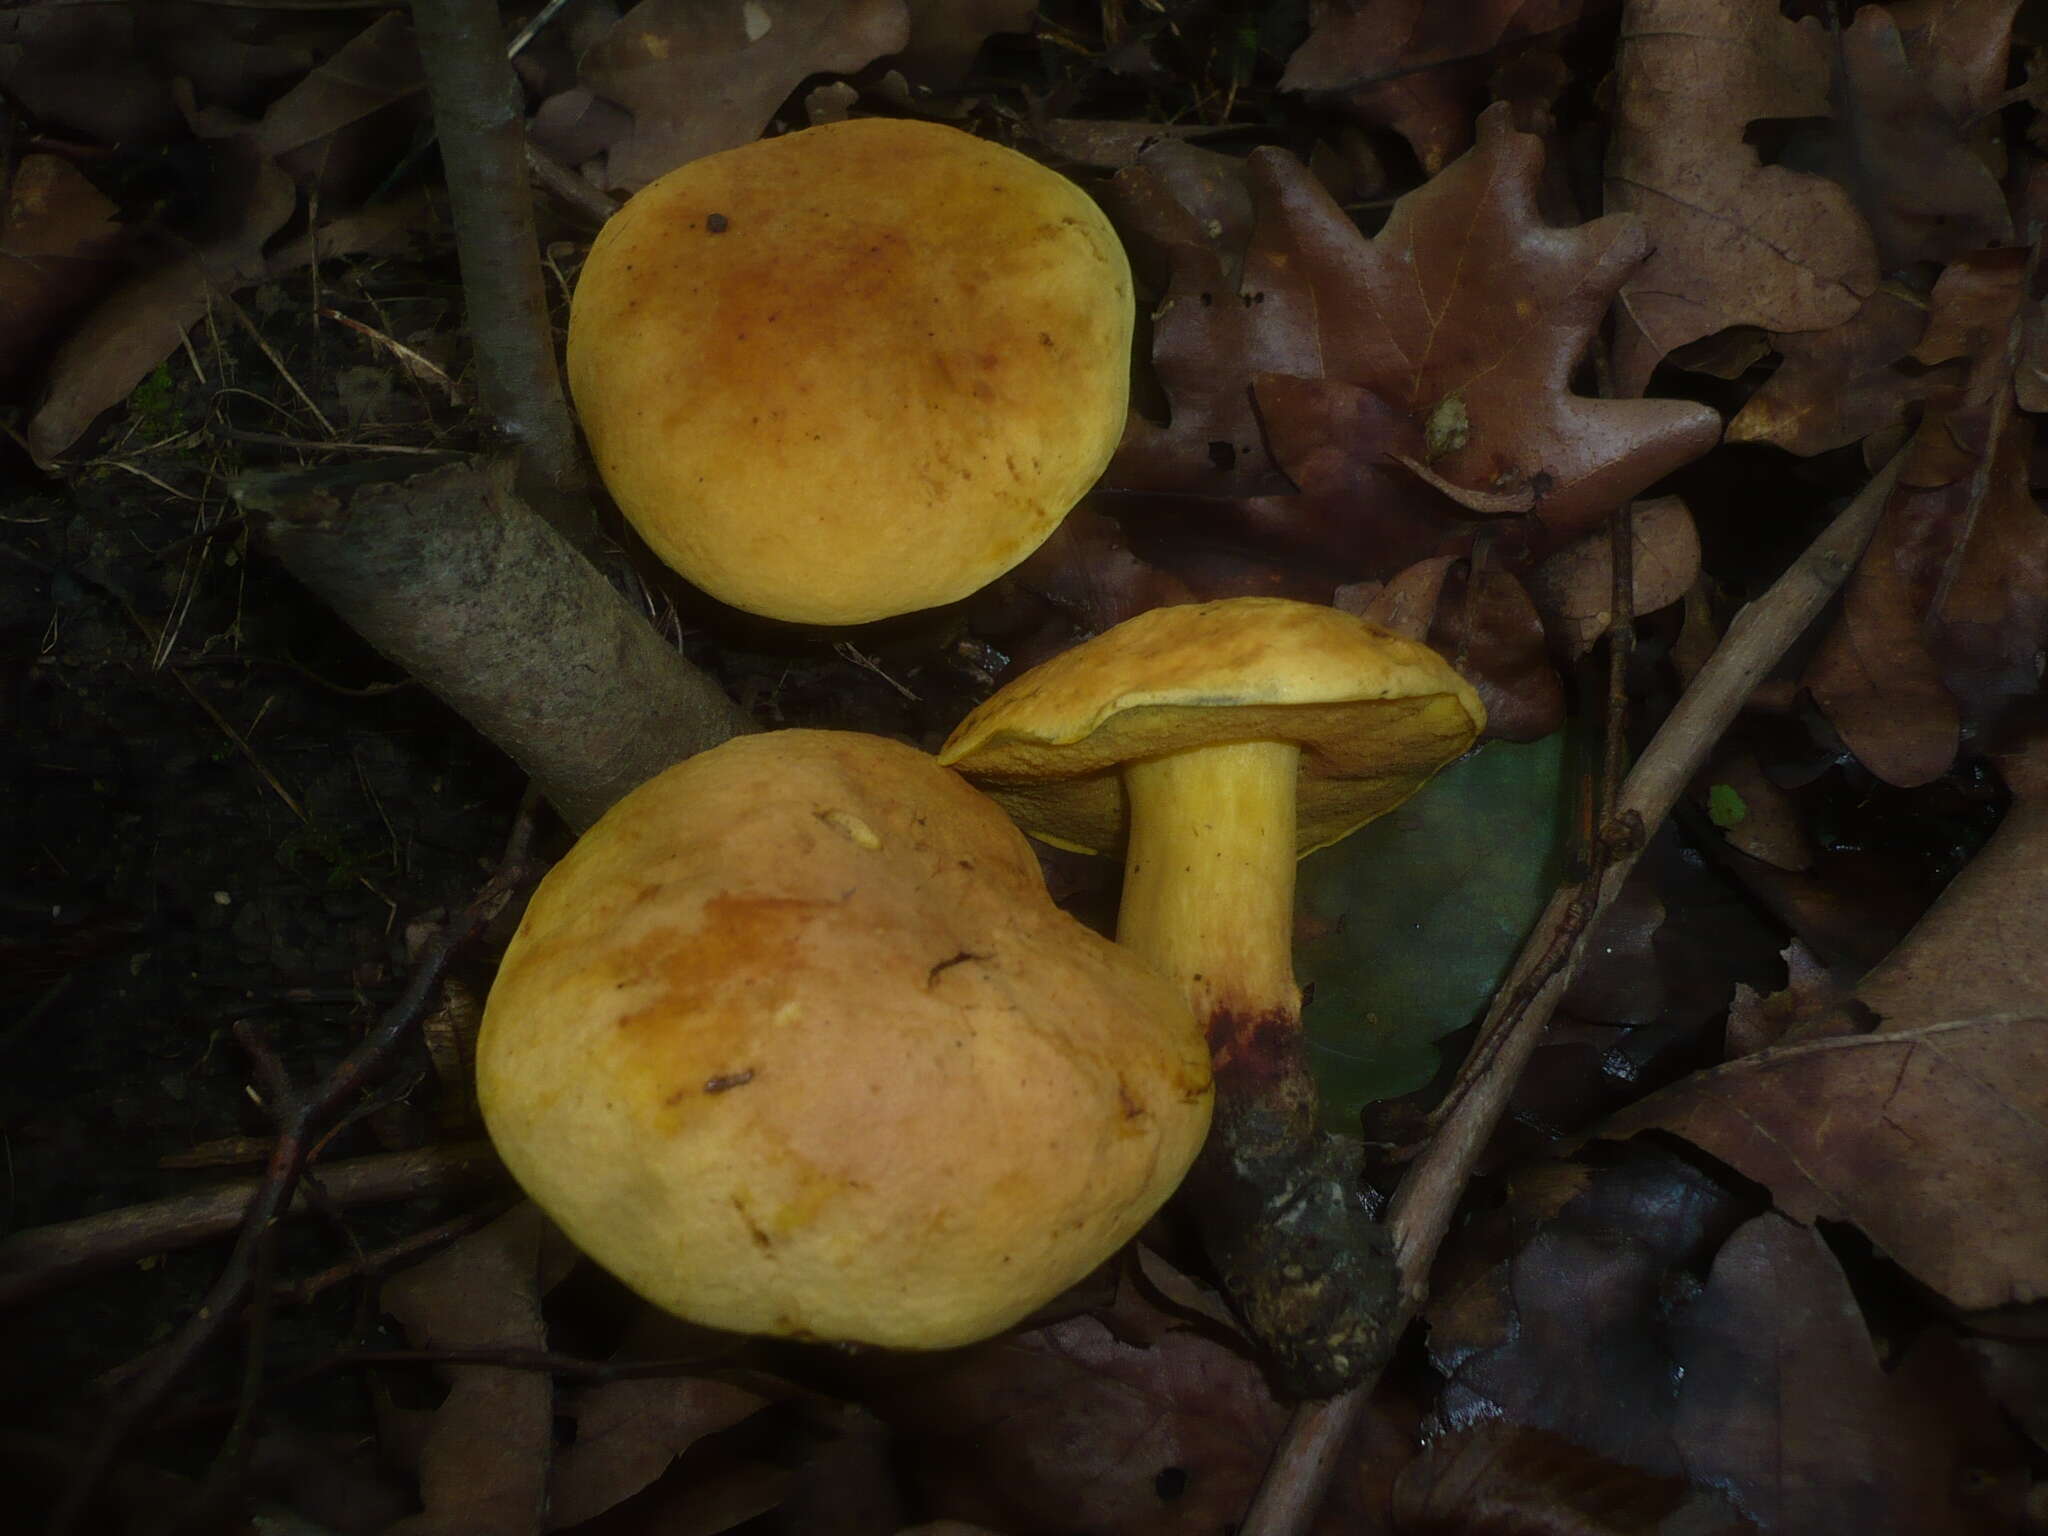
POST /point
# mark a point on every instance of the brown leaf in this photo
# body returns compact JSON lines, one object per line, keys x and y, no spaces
{"x":106,"y":71}
{"x":1784,"y":1406}
{"x":1088,"y":570}
{"x":484,"y":1469}
{"x":1416,"y":67}
{"x":1574,"y":588}
{"x":1768,"y":824}
{"x":1961,"y":48}
{"x":1808,"y":1006}
{"x":1491,"y":632}
{"x":1567,"y":1333}
{"x":1982,"y":948}
{"x":704,"y":75}
{"x":945,"y":35}
{"x":1930,"y":1134}
{"x":1186,"y":216}
{"x":1917,"y":178}
{"x":141,"y":322}
{"x":1946,"y":616}
{"x":1068,"y":1428}
{"x":60,"y":246}
{"x":1838,"y":386}
{"x":627,"y":1433}
{"x":1736,"y":241}
{"x":1502,"y":1477}
{"x":1467,"y":295}
{"x":1930,"y":1140}
{"x":1873,"y":676}
{"x":1761,"y":1385}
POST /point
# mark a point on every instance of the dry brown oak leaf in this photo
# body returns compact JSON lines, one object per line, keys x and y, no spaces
{"x":1419,"y":67}
{"x":1450,"y":337}
{"x":1945,"y":620}
{"x":1931,"y":1132}
{"x":704,"y":75}
{"x":1737,"y":242}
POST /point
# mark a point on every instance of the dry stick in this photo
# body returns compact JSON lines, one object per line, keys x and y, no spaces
{"x":38,"y":1260}
{"x":483,"y":148}
{"x":297,"y":1132}
{"x":1423,"y":1205}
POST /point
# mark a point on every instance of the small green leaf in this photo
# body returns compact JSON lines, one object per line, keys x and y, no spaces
{"x":1725,"y":807}
{"x":1412,"y":921}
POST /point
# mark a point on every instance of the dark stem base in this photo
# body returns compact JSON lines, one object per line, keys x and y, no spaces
{"x":1281,"y":1213}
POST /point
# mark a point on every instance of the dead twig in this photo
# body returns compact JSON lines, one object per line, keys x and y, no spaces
{"x":1428,"y":1195}
{"x":38,"y":1260}
{"x":302,"y":1121}
{"x":483,"y":146}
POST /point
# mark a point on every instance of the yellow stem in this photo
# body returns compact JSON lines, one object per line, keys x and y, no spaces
{"x":1208,"y":896}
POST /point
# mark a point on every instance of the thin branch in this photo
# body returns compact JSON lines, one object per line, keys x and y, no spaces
{"x":478,"y":120}
{"x":1423,"y":1204}
{"x":300,"y":1127}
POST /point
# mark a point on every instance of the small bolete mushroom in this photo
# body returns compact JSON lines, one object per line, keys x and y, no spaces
{"x":794,"y":1042}
{"x":1211,"y":745}
{"x":854,"y":371}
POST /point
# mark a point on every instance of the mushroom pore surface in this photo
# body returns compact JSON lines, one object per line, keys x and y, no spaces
{"x":794,"y":1042}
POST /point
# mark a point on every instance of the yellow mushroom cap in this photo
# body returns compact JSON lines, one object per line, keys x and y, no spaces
{"x":853,"y":371}
{"x":1374,"y":713}
{"x":794,"y":1042}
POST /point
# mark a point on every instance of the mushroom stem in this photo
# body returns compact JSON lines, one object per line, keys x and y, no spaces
{"x":1208,"y":903}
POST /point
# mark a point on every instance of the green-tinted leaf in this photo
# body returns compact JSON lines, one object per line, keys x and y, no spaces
{"x":1415,"y":918}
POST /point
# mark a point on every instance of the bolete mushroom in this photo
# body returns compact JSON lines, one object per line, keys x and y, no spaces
{"x":794,"y":1042}
{"x":853,"y":371}
{"x":1211,"y":745}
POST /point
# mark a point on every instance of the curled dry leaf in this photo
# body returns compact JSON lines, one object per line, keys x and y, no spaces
{"x":1736,"y":242}
{"x":1931,"y":1132}
{"x":1496,"y":1475}
{"x":705,"y":75}
{"x":1786,"y":1408}
{"x":108,"y":72}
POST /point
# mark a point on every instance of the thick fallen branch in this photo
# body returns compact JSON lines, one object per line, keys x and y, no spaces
{"x":1427,"y":1197}
{"x":451,"y":576}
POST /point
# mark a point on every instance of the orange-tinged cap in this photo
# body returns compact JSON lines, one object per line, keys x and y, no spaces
{"x":795,"y":1042}
{"x":854,"y":371}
